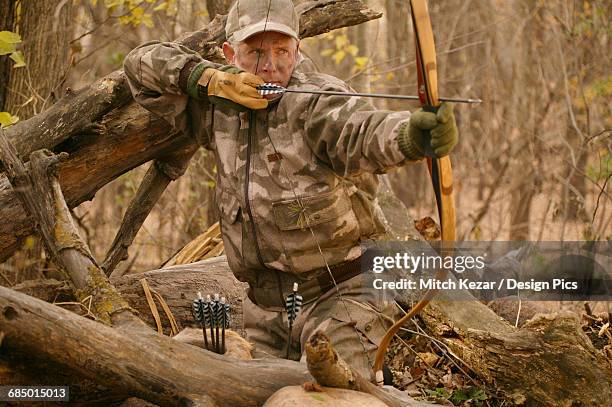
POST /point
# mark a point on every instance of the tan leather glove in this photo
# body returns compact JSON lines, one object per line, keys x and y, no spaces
{"x":235,"y":90}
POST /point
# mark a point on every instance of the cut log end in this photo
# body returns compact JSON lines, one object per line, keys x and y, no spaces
{"x":326,"y":366}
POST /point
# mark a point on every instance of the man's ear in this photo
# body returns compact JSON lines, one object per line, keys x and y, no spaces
{"x":228,"y":52}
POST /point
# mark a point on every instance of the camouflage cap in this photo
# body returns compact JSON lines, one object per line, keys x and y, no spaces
{"x":250,"y":17}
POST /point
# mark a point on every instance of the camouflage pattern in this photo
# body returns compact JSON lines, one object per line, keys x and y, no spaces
{"x":291,"y":179}
{"x":249,"y":17}
{"x":355,"y":324}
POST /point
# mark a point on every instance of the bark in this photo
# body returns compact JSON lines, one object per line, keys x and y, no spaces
{"x":46,"y":50}
{"x":7,"y":18}
{"x":215,"y":7}
{"x":154,"y":183}
{"x":171,"y":374}
{"x":520,"y":204}
{"x":39,"y":192}
{"x":548,"y":362}
{"x":538,"y":363}
{"x":104,"y":144}
{"x":179,"y":286}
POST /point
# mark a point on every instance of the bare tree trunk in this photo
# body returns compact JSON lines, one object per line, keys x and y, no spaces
{"x":215,"y":7}
{"x":46,"y":50}
{"x":575,"y":189}
{"x":7,"y":18}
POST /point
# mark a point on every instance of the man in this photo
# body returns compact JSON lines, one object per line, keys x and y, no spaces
{"x":295,"y":174}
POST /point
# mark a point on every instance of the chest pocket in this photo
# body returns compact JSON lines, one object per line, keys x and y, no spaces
{"x":325,"y":221}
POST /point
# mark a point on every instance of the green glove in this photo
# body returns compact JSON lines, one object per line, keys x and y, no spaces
{"x":442,"y":129}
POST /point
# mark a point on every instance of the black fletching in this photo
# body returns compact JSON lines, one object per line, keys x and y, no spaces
{"x":293,"y":306}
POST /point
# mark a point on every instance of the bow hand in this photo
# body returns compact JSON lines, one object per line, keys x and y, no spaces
{"x":429,"y":133}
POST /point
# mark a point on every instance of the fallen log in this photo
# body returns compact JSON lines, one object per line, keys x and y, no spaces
{"x":158,"y":177}
{"x":179,"y":285}
{"x":292,"y":396}
{"x":548,"y":362}
{"x":39,"y":192}
{"x":107,"y":135}
{"x":149,"y":366}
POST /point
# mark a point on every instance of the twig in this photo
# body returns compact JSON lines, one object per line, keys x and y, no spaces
{"x":599,"y":197}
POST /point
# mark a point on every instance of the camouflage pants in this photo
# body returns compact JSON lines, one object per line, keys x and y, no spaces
{"x":355,"y":322}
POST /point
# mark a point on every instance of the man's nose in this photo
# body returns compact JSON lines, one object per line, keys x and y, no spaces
{"x":268,"y":62}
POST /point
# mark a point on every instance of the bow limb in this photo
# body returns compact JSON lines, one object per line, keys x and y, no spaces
{"x":440,"y":169}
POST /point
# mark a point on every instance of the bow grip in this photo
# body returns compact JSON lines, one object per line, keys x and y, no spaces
{"x":429,"y":152}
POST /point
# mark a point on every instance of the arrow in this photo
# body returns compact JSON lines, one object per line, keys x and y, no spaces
{"x":292,"y":305}
{"x":273,"y":89}
{"x":200,"y":313}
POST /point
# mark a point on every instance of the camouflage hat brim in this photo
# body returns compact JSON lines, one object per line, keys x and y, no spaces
{"x":260,"y":27}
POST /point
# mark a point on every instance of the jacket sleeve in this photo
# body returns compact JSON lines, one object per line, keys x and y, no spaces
{"x":351,"y":136}
{"x":154,"y":70}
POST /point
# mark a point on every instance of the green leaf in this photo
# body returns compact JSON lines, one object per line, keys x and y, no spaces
{"x":19,"y":59}
{"x":338,"y":56}
{"x":6,"y":48}
{"x":327,"y":52}
{"x":361,"y":62}
{"x":9,"y":37}
{"x":162,"y":6}
{"x":352,"y":49}
{"x":7,"y":119}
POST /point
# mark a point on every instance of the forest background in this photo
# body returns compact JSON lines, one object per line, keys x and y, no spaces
{"x":534,"y":160}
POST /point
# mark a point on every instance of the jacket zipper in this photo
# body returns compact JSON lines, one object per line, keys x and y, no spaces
{"x":246,"y":188}
{"x":248,"y":203}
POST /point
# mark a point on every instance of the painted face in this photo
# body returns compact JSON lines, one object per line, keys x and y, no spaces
{"x":270,"y":55}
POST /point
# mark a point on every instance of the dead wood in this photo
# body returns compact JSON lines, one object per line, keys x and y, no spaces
{"x":329,"y":369}
{"x":539,"y":362}
{"x":548,"y":362}
{"x":146,"y":365}
{"x":179,"y":286}
{"x":107,"y":135}
{"x":292,"y":396}
{"x":158,"y":176}
{"x":40,"y":193}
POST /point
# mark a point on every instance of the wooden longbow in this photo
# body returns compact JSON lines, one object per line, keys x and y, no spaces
{"x":440,"y":169}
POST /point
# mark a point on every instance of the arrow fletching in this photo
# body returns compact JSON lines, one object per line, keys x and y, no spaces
{"x":293,"y":304}
{"x":226,"y":312}
{"x":270,"y":89}
{"x":198,"y":308}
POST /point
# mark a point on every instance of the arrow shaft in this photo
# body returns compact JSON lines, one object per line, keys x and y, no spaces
{"x":377,"y":95}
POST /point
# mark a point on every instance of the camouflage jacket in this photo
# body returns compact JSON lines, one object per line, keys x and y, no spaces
{"x":296,"y":182}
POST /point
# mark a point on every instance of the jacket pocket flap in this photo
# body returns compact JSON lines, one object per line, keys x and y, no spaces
{"x":292,"y":214}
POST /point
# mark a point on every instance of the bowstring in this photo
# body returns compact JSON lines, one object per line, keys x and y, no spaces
{"x":303,"y":208}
